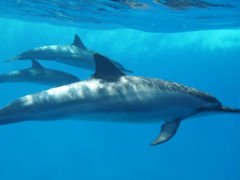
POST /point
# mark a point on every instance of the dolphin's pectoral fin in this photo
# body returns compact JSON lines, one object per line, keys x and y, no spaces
{"x":167,"y":132}
{"x":36,"y":65}
{"x":77,"y":42}
{"x":105,"y":69}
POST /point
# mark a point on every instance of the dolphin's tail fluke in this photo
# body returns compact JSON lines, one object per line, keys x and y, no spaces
{"x":13,"y":59}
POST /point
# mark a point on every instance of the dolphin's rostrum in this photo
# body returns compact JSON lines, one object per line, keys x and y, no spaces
{"x":37,"y":74}
{"x":75,"y":54}
{"x":110,"y":95}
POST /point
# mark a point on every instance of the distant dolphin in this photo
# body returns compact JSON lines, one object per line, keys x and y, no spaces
{"x":39,"y":75}
{"x":110,"y":95}
{"x":75,"y":54}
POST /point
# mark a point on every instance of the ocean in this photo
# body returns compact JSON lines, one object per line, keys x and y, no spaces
{"x":204,"y":55}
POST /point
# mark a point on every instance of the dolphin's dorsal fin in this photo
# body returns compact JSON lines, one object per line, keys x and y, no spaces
{"x":105,"y":69}
{"x":36,"y":65}
{"x":77,"y":42}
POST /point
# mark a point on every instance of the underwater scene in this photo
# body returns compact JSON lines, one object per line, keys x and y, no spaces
{"x":117,"y":89}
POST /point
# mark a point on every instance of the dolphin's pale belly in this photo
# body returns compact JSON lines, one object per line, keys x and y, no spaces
{"x":95,"y":99}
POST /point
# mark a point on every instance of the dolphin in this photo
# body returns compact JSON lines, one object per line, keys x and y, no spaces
{"x":111,"y":95}
{"x":75,"y":54}
{"x":39,"y":75}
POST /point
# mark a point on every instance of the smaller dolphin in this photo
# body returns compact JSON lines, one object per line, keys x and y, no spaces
{"x":39,"y":75}
{"x":75,"y":54}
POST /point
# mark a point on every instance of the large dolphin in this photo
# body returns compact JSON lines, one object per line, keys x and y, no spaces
{"x":110,"y":95}
{"x":75,"y":54}
{"x":39,"y":75}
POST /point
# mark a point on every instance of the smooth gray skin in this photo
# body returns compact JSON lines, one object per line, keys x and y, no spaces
{"x":75,"y":54}
{"x":37,"y":74}
{"x":110,"y":95}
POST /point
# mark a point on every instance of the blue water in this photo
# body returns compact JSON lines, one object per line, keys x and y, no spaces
{"x":203,"y":148}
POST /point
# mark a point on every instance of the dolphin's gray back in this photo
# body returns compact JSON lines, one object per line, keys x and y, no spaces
{"x":135,"y":95}
{"x":179,"y":88}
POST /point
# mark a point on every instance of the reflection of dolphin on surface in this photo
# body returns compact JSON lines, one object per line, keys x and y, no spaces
{"x":75,"y":54}
{"x":110,"y":95}
{"x":39,"y":75}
